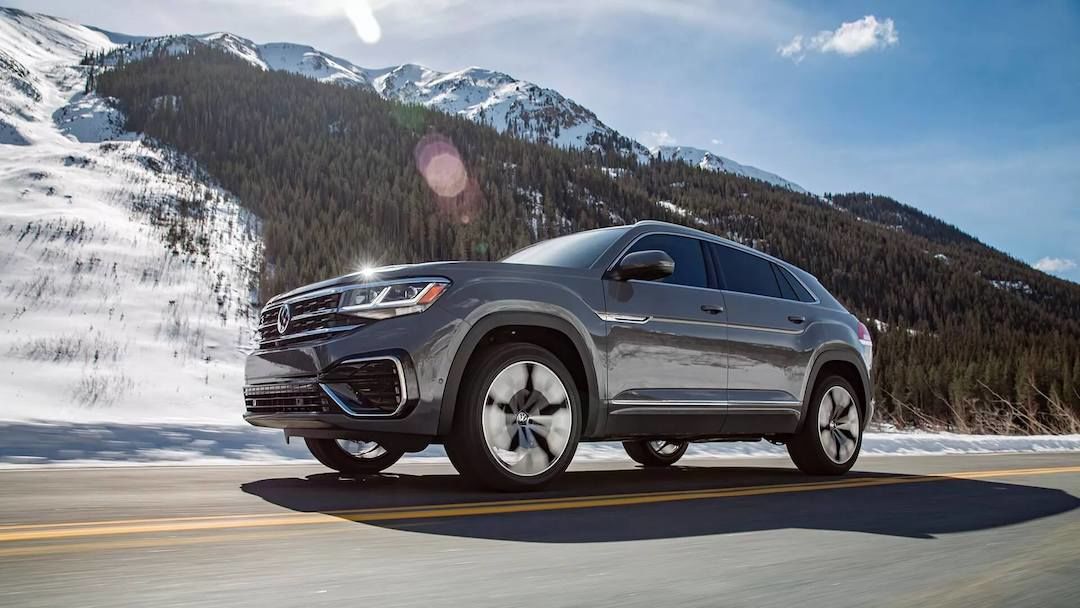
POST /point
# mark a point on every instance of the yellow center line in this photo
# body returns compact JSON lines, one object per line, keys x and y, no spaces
{"x":39,"y":532}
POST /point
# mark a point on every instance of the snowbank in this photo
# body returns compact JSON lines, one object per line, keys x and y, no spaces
{"x":47,"y":443}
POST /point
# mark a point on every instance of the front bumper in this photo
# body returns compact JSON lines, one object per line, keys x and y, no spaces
{"x":325,"y":389}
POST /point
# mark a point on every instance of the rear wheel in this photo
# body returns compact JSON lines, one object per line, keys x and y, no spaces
{"x":655,"y":453}
{"x":831,"y":436}
{"x":352,"y":456}
{"x":518,"y":419}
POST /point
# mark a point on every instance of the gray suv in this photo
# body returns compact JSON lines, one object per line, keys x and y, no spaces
{"x":653,"y":334}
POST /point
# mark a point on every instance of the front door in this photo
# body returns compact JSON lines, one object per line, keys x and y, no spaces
{"x":666,"y":351}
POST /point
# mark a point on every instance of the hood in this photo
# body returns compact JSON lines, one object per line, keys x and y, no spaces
{"x":381,"y":273}
{"x":450,"y":270}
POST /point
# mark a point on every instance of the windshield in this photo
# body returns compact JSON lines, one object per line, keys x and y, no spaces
{"x":573,"y":251}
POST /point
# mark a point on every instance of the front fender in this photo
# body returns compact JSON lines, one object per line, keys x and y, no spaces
{"x":580,"y":325}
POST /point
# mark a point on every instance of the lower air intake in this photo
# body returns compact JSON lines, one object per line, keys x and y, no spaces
{"x":367,"y":386}
{"x":288,"y":398}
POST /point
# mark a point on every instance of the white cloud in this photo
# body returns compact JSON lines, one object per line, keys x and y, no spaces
{"x":1055,"y":265}
{"x":716,"y":142}
{"x":651,"y":139}
{"x":850,"y":39}
{"x":793,"y":49}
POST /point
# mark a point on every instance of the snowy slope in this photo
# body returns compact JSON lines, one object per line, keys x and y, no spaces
{"x":503,"y":102}
{"x":125,"y":275}
{"x":714,"y":162}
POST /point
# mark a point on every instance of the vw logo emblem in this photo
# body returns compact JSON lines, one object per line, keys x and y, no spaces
{"x":284,"y":315}
{"x":523,"y":417}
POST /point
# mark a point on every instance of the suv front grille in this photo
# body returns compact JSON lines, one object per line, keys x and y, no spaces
{"x":290,"y":398}
{"x":309,"y":317}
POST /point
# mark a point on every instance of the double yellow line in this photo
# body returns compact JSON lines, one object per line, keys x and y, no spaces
{"x":68,"y":530}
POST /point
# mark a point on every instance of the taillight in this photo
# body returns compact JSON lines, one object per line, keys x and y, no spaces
{"x":864,"y":334}
{"x":867,"y":344}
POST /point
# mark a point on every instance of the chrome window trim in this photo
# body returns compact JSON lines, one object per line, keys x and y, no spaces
{"x":706,"y":237}
{"x":401,"y":382}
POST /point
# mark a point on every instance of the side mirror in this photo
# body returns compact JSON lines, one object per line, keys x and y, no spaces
{"x":647,"y":265}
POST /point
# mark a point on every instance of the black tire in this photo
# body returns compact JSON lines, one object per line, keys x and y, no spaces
{"x":330,"y":453}
{"x":468,"y":447}
{"x":646,"y":454}
{"x":808,"y":447}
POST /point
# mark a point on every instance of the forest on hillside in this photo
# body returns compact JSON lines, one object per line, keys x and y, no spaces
{"x":966,"y":337}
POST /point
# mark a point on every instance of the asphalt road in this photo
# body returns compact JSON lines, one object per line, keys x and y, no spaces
{"x":910,"y":531}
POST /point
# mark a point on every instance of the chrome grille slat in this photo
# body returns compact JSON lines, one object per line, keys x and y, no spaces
{"x":312,"y":315}
{"x":271,"y":341}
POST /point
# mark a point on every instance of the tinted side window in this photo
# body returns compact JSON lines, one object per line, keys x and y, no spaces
{"x":689,"y":260}
{"x":802,"y":294}
{"x":786,"y":290}
{"x":746,"y":272}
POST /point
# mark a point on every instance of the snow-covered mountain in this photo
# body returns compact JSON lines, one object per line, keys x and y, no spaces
{"x":508,"y":104}
{"x":493,"y":98}
{"x":125,"y":273}
{"x":714,"y":162}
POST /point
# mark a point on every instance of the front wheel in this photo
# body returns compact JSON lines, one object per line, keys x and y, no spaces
{"x":831,"y":436}
{"x":517,"y":421}
{"x":353,"y":456}
{"x":655,"y":453}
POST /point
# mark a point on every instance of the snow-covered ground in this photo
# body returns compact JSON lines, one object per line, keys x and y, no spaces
{"x":64,"y":444}
{"x":125,"y":276}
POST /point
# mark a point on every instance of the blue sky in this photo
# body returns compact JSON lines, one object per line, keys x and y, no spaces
{"x":967,"y":110}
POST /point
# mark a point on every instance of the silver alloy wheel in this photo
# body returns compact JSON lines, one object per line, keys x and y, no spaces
{"x":361,"y":450}
{"x":838,"y":424}
{"x":527,"y":418}
{"x":665,"y":448}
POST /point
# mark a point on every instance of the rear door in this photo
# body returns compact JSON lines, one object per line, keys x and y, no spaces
{"x":666,"y":347}
{"x":767,"y":346}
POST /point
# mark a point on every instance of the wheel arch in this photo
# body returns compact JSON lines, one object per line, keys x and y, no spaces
{"x":551,"y":332}
{"x":847,"y":364}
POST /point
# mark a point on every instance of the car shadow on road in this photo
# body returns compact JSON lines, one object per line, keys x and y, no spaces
{"x":900,"y":506}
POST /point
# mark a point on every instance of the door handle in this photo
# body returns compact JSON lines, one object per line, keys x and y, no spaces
{"x":796,"y":319}
{"x":712,"y":309}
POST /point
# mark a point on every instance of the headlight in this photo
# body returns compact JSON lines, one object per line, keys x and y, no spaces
{"x":387,"y":299}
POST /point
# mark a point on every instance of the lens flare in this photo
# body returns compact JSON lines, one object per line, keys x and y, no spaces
{"x":440,"y":164}
{"x":363,"y":20}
